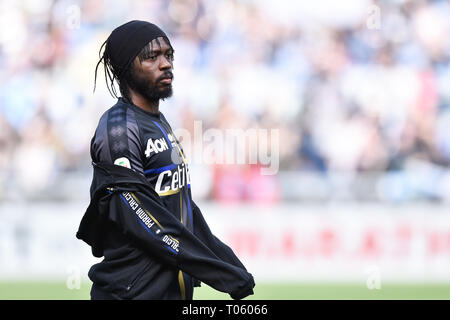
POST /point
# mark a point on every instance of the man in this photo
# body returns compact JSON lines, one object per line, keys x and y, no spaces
{"x":141,"y":217}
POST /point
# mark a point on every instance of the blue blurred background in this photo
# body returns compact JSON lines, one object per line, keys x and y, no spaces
{"x":359,"y":91}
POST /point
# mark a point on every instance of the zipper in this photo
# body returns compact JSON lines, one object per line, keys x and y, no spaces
{"x":180,"y":273}
{"x":138,"y":276}
{"x":182,"y":286}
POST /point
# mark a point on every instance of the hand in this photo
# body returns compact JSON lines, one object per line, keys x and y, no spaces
{"x":247,"y":290}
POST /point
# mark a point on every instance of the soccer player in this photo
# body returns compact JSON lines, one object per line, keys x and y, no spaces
{"x":141,"y":218}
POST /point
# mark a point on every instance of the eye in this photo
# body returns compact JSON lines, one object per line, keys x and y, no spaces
{"x":170,"y":56}
{"x":153,"y":57}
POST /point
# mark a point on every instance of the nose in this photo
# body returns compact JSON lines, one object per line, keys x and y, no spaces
{"x":165,"y":63}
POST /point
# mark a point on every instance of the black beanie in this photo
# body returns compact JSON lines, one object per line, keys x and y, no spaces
{"x":127,"y":40}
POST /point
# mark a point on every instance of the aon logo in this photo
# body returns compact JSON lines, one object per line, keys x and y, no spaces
{"x":155,"y":146}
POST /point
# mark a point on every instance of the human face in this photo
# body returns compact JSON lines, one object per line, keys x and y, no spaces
{"x":152,"y":74}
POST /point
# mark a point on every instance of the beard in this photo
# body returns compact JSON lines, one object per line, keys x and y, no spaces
{"x":151,"y":91}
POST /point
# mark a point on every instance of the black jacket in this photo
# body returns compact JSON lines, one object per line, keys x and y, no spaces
{"x":148,"y":253}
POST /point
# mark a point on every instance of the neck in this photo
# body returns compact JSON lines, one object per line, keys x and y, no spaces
{"x":151,"y":106}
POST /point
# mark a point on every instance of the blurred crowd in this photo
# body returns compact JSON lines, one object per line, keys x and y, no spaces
{"x":358,"y":89}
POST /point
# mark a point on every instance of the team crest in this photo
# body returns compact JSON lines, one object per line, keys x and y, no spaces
{"x":123,"y":162}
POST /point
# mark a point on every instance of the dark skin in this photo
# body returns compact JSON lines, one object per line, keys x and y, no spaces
{"x":157,"y":70}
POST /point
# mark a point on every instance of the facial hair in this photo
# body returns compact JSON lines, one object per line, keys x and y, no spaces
{"x":151,"y":91}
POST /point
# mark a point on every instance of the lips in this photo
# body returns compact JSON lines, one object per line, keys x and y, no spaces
{"x":166,"y":80}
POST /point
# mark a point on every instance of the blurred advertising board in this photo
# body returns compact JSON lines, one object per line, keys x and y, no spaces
{"x":284,"y":242}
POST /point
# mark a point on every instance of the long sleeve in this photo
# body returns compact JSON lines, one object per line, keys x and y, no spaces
{"x":159,"y":233}
{"x":203,"y":232}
